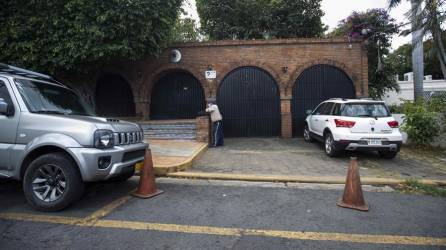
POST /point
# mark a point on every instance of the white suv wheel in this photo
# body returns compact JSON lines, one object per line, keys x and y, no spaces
{"x":307,"y":136}
{"x":328,"y":144}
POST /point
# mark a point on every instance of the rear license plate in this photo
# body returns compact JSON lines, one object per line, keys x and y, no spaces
{"x":138,"y":167}
{"x":374,"y":142}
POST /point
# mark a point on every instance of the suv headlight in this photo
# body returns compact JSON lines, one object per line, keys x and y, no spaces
{"x":104,"y":139}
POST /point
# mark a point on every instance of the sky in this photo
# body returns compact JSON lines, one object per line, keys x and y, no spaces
{"x":336,"y":10}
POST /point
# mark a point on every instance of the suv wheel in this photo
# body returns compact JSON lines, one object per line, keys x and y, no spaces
{"x":387,"y":154}
{"x":329,"y":145}
{"x":52,"y":182}
{"x":307,"y":136}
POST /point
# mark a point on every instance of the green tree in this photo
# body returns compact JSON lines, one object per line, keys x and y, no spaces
{"x":260,"y":19}
{"x":75,"y":35}
{"x":185,"y":30}
{"x":428,"y":16}
{"x":401,"y":59}
{"x":377,"y":27}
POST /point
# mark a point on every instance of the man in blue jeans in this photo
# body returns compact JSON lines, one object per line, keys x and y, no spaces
{"x":217,"y":128}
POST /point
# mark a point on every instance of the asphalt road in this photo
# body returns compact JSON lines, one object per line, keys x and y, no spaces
{"x":224,"y":215}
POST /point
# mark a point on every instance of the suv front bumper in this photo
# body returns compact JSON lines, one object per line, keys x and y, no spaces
{"x":362,"y":145}
{"x":122,"y":158}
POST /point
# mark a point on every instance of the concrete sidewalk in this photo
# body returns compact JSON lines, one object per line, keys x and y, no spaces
{"x":285,"y":158}
{"x":175,"y":155}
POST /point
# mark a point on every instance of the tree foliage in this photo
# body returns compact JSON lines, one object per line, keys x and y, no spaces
{"x":401,"y":59}
{"x":429,"y":20}
{"x":260,"y":19}
{"x":73,"y":35}
{"x":185,"y":30}
{"x":379,"y":28}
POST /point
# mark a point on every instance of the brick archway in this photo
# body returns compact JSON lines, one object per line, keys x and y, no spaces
{"x":295,"y":75}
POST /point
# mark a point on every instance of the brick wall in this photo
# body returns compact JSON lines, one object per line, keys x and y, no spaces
{"x":283,"y":59}
{"x":203,"y":129}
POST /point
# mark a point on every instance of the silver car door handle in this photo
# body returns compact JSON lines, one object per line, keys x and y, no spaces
{"x":326,"y":120}
{"x":316,"y":120}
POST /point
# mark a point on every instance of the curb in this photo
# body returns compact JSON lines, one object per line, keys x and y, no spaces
{"x":167,"y":169}
{"x":297,"y":178}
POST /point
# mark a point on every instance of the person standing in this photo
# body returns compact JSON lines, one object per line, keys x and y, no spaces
{"x":217,"y":125}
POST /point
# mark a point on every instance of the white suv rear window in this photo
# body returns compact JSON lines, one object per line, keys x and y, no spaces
{"x":365,"y":110}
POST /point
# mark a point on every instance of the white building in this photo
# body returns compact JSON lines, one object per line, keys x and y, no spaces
{"x":431,"y":88}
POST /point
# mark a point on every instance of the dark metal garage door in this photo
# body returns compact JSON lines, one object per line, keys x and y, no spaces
{"x":316,"y":84}
{"x":177,"y":95}
{"x":114,"y":97}
{"x":249,"y":101}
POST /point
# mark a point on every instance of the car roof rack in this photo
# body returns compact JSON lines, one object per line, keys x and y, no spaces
{"x":343,"y":99}
{"x":13,"y":70}
{"x":367,"y":98}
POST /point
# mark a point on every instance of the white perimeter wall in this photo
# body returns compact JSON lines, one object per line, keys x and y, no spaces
{"x":406,"y":90}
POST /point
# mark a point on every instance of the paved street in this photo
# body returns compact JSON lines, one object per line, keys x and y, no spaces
{"x":224,"y":215}
{"x":295,"y":157}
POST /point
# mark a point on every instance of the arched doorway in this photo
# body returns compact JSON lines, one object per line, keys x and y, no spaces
{"x":314,"y":85}
{"x":249,"y":100}
{"x":176,"y":95}
{"x":114,"y":97}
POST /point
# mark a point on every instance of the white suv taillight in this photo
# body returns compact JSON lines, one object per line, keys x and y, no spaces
{"x":344,"y":123}
{"x":393,"y":124}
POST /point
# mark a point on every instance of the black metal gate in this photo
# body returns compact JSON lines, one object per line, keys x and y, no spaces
{"x":114,"y":97}
{"x":249,"y":101}
{"x":177,"y":95}
{"x":316,"y":84}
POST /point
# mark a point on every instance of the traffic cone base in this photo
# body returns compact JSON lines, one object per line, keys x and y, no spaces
{"x":147,"y":196}
{"x":364,"y":207}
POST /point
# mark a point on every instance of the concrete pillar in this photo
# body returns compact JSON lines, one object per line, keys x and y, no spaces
{"x":203,"y":128}
{"x":142,"y":109}
{"x":287,"y":121}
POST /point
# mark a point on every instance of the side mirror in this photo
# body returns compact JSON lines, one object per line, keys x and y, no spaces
{"x":5,"y":109}
{"x":309,"y":111}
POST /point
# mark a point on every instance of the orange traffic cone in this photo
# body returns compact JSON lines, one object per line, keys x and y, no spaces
{"x":353,"y":197}
{"x":147,"y":187}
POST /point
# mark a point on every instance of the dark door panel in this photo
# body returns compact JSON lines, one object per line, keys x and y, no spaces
{"x":249,"y":101}
{"x":114,"y":97}
{"x":315,"y":85}
{"x":178,"y":95}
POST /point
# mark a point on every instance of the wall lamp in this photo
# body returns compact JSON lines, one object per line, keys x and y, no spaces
{"x":285,"y":69}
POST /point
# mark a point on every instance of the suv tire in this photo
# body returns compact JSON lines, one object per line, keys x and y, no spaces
{"x":387,"y":154}
{"x":330,"y":146}
{"x":307,"y":136}
{"x":52,"y":182}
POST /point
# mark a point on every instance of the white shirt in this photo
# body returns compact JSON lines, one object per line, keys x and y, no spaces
{"x":215,"y":113}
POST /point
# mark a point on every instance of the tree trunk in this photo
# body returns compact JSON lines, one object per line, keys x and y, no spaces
{"x":437,"y":37}
{"x":438,"y":43}
{"x":417,"y":55}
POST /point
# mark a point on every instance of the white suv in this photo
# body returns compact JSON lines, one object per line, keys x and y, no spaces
{"x":351,"y":124}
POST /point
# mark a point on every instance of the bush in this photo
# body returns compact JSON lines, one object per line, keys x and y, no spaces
{"x":396,"y":108}
{"x":422,"y":121}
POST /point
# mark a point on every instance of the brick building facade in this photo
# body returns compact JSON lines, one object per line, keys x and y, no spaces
{"x":283,"y":62}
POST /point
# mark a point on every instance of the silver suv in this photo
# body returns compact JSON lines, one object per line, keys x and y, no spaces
{"x":53,"y":143}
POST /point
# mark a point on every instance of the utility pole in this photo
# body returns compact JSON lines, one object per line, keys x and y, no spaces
{"x":417,"y":53}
